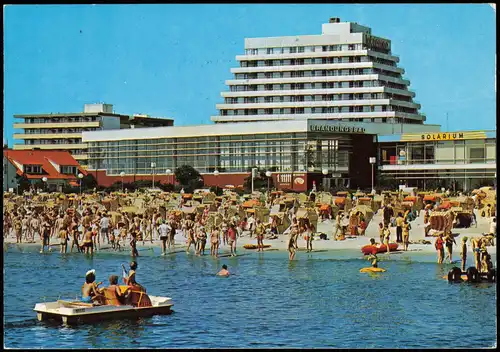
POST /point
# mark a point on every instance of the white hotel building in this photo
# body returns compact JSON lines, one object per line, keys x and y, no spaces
{"x":345,"y":74}
{"x":300,"y":107}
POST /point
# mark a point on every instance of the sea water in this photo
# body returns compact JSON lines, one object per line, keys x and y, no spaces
{"x":318,"y":300}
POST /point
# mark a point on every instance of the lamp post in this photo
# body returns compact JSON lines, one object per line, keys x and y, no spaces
{"x":216,"y":174}
{"x":122,"y":174}
{"x":268,"y":174}
{"x":168,"y":172}
{"x":44,"y":180}
{"x":373,"y":160}
{"x":153,"y":165}
{"x":324,"y":172}
{"x":80,"y":176}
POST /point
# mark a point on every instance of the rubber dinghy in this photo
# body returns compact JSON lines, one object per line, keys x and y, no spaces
{"x":75,"y":312}
{"x":370,"y":249}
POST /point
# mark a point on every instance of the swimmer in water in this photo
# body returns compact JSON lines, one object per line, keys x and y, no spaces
{"x":224,"y":271}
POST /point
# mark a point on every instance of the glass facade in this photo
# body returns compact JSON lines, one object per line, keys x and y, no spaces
{"x":279,"y":152}
{"x":473,"y":154}
{"x":470,"y":151}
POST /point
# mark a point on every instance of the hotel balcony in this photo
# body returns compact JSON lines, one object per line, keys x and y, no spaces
{"x":50,"y":146}
{"x":47,"y":135}
{"x":304,"y":104}
{"x":347,"y":65}
{"x":268,"y":93}
{"x":57,"y":125}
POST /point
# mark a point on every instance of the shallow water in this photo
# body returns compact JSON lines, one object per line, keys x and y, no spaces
{"x":318,"y":300}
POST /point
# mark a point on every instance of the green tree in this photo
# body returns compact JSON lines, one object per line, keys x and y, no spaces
{"x":23,"y":183}
{"x":89,"y":182}
{"x":259,"y":182}
{"x":189,"y":178}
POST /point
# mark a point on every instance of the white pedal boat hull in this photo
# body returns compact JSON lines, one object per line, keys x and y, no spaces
{"x":75,"y":312}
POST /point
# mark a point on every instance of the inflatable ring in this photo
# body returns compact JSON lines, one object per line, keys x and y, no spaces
{"x":455,"y":275}
{"x":473,"y":275}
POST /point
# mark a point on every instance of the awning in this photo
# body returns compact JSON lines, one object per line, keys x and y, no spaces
{"x":445,"y":205}
{"x":430,"y":197}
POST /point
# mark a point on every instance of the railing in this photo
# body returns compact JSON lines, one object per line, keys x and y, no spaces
{"x":440,"y":161}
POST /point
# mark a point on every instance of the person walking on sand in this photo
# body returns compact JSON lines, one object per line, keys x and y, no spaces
{"x":463,"y":252}
{"x":406,"y":234}
{"x":387,"y":237}
{"x":338,"y":225}
{"x":260,"y":229}
{"x":439,"y":245}
{"x":399,"y":228}
{"x":381,"y":232}
{"x":309,"y":233}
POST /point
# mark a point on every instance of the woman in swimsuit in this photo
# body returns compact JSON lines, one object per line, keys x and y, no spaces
{"x":291,"y":239}
{"x":214,"y":242}
{"x":63,"y":238}
{"x":309,"y":235}
{"x":46,"y":228}
{"x":190,"y":234}
{"x":449,"y":241}
{"x":406,"y":234}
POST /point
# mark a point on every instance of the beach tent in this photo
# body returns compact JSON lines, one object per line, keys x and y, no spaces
{"x":365,"y":210}
{"x":440,"y":220}
{"x":283,"y":221}
{"x":308,"y":213}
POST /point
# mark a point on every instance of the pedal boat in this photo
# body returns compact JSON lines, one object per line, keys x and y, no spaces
{"x":76,"y":312}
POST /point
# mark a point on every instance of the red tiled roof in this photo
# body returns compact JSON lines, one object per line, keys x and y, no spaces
{"x":43,"y":158}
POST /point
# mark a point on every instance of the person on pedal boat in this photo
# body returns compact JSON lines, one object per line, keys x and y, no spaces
{"x":130,"y":279}
{"x":115,"y":295}
{"x":91,"y":293}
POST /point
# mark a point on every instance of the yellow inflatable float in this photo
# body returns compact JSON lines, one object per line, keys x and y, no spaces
{"x":372,"y":270}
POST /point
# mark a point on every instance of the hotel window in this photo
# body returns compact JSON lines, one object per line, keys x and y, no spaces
{"x":269,"y":51}
{"x":293,"y":50}
{"x":476,"y":155}
{"x":301,"y":49}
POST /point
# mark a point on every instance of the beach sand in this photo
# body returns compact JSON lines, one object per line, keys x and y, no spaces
{"x":327,"y":227}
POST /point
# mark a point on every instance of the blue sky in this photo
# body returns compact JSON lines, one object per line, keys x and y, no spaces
{"x":172,"y":60}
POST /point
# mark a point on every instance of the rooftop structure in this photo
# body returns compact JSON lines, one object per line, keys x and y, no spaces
{"x":63,"y":131}
{"x":345,"y":73}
